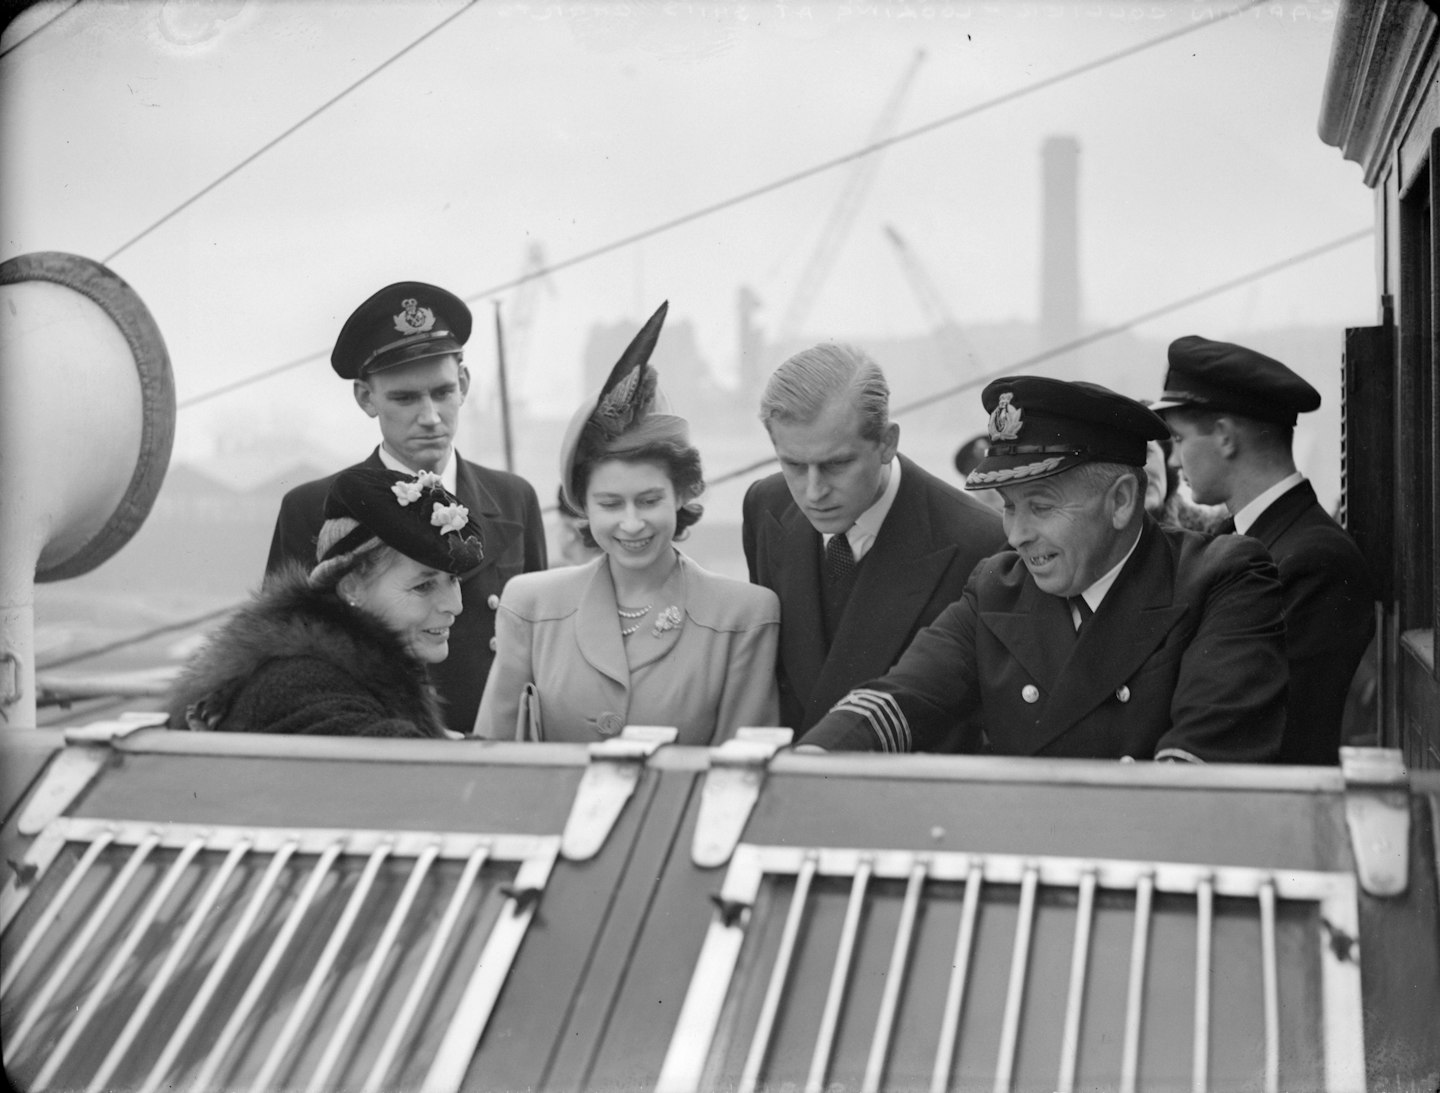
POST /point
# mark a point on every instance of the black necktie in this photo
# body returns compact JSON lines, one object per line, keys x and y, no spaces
{"x":839,"y":558}
{"x":1079,"y":604}
{"x":1226,"y":526}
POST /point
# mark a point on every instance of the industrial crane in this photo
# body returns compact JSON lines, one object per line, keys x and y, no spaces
{"x":842,"y":216}
{"x":953,"y":344}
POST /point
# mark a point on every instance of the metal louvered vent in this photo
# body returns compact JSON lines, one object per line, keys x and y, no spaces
{"x":149,"y":956}
{"x":903,"y":970}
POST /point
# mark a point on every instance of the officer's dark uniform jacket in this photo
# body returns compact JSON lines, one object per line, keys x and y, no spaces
{"x":1184,"y":659}
{"x":1329,"y":617}
{"x":505,"y":508}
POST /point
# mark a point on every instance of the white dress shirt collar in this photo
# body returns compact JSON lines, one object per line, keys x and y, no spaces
{"x":1096,"y":592}
{"x":867,"y":525}
{"x":1246,"y":517}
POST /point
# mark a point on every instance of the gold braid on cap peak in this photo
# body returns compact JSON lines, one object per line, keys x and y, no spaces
{"x":1006,"y":474}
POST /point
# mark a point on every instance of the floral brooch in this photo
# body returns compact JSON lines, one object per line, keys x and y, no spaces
{"x":669,"y":619}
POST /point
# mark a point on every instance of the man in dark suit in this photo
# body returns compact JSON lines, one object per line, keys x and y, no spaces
{"x":1232,"y":412}
{"x":862,"y":546}
{"x":1100,"y":634}
{"x":402,"y":351}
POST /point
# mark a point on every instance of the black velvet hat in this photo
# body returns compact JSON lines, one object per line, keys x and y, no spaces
{"x":413,"y":513}
{"x":1041,"y":426}
{"x":402,"y":323}
{"x":1221,"y":376}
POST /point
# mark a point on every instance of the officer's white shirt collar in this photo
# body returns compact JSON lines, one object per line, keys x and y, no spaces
{"x":1096,"y":592}
{"x":447,"y":472}
{"x":1246,"y":517}
{"x":867,"y":525}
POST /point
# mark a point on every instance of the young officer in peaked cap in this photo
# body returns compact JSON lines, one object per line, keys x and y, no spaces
{"x":403,"y":352}
{"x":1098,"y":634}
{"x":1232,"y":412}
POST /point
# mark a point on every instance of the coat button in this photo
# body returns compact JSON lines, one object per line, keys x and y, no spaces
{"x":492,"y":645}
{"x":1122,"y":693}
{"x":1030,"y":693}
{"x":608,"y":724}
{"x":493,"y":602}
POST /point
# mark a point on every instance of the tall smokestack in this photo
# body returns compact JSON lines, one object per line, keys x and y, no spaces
{"x":1060,"y":244}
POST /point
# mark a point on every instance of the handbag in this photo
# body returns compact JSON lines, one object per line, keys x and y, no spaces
{"x":528,"y":724}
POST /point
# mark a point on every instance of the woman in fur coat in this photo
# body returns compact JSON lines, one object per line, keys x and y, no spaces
{"x":343,"y":650}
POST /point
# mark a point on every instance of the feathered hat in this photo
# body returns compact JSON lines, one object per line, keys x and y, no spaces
{"x":628,"y":412}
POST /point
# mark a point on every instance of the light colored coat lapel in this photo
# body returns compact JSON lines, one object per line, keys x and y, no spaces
{"x":597,"y":629}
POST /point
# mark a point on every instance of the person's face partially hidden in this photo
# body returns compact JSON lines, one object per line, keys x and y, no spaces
{"x":1198,"y":455}
{"x":1156,"y":483}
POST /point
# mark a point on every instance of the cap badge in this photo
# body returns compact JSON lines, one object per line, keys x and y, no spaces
{"x":414,"y":319}
{"x":1005,"y":420}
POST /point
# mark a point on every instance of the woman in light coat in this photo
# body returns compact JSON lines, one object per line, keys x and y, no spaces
{"x":641,"y":635}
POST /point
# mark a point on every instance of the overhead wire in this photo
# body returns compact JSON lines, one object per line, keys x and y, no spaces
{"x":909,"y":407}
{"x":13,"y":46}
{"x":751,"y":194}
{"x":178,"y":209}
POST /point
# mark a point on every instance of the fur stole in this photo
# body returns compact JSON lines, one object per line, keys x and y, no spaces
{"x":288,"y":621}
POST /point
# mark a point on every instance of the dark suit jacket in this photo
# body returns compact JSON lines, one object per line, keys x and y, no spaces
{"x":1329,"y":618}
{"x":508,"y":512}
{"x":930,"y":541}
{"x":1185,"y":658}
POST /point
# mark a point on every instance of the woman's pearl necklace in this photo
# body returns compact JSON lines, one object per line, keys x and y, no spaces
{"x":637,"y":613}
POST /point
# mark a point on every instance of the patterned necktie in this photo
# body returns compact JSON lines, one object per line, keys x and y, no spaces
{"x":839,"y":558}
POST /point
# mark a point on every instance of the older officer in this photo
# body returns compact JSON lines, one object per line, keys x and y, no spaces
{"x":402,"y":352}
{"x":1100,"y":634}
{"x":1232,"y":412}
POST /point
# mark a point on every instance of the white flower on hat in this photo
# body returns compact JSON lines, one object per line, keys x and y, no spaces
{"x":449,"y":517}
{"x":405,"y":492}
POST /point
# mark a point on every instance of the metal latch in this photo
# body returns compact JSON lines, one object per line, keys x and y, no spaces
{"x":104,"y":732}
{"x":732,"y":786}
{"x":1377,"y":813}
{"x":609,"y":781}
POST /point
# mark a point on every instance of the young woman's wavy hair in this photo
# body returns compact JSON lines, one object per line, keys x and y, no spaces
{"x":681,"y":464}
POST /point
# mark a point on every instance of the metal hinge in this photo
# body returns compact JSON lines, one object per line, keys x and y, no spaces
{"x":609,"y":781}
{"x":1377,"y":813}
{"x":732,"y":786}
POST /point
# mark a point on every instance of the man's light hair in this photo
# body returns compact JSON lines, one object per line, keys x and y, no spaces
{"x":1097,"y":478}
{"x":800,"y":389}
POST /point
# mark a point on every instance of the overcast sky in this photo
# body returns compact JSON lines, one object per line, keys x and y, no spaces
{"x":578,"y":124}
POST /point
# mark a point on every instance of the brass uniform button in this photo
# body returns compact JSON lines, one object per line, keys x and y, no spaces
{"x":492,"y":645}
{"x":1122,"y":693}
{"x":493,"y":602}
{"x":609,"y":724}
{"x":1030,"y":693}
